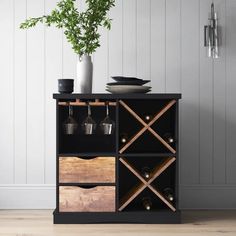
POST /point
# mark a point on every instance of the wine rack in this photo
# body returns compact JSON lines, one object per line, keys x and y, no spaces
{"x":129,"y":175}
{"x":146,"y":183}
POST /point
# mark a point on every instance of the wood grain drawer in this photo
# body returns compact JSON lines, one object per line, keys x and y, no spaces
{"x":78,"y":170}
{"x":79,"y":199}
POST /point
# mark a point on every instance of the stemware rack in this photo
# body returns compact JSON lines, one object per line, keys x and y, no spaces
{"x":78,"y":102}
{"x":99,"y":177}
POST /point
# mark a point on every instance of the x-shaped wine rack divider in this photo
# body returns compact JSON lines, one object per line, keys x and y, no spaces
{"x":147,"y":126}
{"x":146,"y":183}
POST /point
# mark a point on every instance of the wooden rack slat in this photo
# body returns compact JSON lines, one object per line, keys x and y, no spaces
{"x":133,"y":170}
{"x":161,"y":168}
{"x":133,"y":113}
{"x":157,"y":136}
{"x":162,"y":111}
{"x":136,"y":136}
{"x":133,"y":193}
{"x":147,"y":126}
{"x":97,"y":102}
{"x":161,"y":197}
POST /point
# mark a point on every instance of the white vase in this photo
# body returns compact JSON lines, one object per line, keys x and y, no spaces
{"x":85,"y":74}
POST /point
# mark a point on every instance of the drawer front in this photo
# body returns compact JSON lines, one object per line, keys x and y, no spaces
{"x":78,"y":170}
{"x":79,"y":199}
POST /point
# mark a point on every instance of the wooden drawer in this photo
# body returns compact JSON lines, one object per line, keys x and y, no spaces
{"x":78,"y":170}
{"x":79,"y":199}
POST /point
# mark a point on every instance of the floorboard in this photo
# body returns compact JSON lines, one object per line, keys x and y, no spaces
{"x":39,"y":222}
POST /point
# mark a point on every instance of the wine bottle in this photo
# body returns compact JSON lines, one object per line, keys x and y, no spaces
{"x":124,"y":138}
{"x":146,"y":172}
{"x":168,"y":192}
{"x":148,"y":117}
{"x":169,"y":138}
{"x":147,"y":203}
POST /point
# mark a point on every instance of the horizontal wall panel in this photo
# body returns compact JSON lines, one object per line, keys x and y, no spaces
{"x":28,"y":196}
{"x":43,"y":197}
{"x":208,"y":197}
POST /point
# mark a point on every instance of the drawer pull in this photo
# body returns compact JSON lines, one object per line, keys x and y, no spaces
{"x":87,"y":158}
{"x":87,"y":187}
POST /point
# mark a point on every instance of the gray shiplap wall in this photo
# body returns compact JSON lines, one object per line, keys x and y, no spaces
{"x":161,"y":40}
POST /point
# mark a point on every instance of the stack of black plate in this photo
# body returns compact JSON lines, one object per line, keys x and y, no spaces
{"x":128,"y":85}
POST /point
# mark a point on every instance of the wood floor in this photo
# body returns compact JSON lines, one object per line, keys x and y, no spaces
{"x":39,"y":222}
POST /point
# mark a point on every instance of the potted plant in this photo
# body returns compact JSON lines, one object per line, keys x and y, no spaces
{"x":81,"y":30}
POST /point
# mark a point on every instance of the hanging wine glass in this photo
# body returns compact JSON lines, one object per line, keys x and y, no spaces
{"x":89,"y":125}
{"x":70,"y":125}
{"x":107,"y":125}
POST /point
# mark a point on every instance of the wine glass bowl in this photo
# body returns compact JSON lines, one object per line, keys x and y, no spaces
{"x":89,"y":125}
{"x":107,"y":125}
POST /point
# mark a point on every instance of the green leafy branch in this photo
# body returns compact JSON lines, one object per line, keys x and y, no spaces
{"x":80,"y":28}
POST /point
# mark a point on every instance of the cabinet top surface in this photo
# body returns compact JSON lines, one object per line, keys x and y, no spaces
{"x":118,"y":96}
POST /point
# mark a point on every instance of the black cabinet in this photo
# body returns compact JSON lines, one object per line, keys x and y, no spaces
{"x":139,"y":160}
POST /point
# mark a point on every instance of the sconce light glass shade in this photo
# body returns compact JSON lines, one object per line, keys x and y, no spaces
{"x":211,"y":35}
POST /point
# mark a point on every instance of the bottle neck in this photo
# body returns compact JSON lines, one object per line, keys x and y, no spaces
{"x":70,"y":111}
{"x":146,"y":172}
{"x":147,"y":204}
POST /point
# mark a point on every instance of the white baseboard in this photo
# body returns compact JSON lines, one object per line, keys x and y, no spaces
{"x":27,"y":196}
{"x":191,"y":196}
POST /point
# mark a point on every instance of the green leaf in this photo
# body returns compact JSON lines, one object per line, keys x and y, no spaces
{"x":80,"y":28}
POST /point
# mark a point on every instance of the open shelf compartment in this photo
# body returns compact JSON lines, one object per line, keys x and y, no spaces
{"x":79,"y":142}
{"x":153,"y":126}
{"x":143,"y":184}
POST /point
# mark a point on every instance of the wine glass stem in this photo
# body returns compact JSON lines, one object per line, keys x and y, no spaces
{"x":107,"y":108}
{"x":89,"y":110}
{"x":70,"y":111}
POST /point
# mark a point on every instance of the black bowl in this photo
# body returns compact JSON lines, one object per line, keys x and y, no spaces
{"x":65,"y":85}
{"x":125,"y":78}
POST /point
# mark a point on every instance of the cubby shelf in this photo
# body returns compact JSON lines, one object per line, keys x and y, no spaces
{"x":146,"y":183}
{"x":147,"y":126}
{"x":99,"y":177}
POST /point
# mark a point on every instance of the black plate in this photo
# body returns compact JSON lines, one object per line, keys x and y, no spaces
{"x":123,"y":78}
{"x":132,"y":82}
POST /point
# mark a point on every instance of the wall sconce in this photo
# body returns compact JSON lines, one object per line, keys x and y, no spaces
{"x":211,"y":36}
